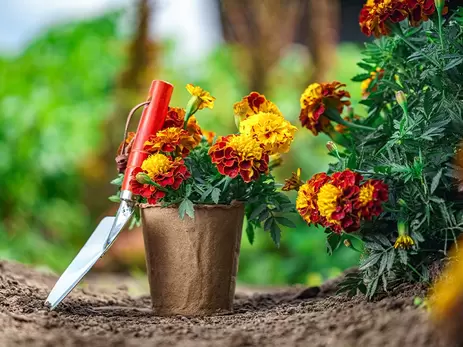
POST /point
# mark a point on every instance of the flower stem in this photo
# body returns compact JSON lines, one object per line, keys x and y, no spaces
{"x":336,"y":117}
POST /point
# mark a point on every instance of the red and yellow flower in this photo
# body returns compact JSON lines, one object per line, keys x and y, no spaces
{"x":252,"y":104}
{"x":167,"y":140}
{"x":339,"y":201}
{"x":239,"y":155}
{"x":200,"y":99}
{"x":315,"y":101}
{"x":156,"y":173}
{"x":376,"y":16}
{"x":420,"y":10}
{"x":294,"y":182}
{"x":272,"y":130}
{"x":373,"y":193}
{"x":306,"y":201}
{"x":175,"y":118}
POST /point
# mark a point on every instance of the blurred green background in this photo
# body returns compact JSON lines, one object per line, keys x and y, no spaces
{"x":63,"y":103}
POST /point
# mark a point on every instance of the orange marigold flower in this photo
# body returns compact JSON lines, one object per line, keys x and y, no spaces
{"x":306,"y":202}
{"x":209,"y":136}
{"x":194,"y":130}
{"x":175,"y":140}
{"x":130,"y":136}
{"x":316,"y":99}
{"x":175,"y":118}
{"x":379,"y":73}
{"x":373,"y":193}
{"x":252,"y":104}
{"x":294,"y":182}
{"x":164,"y":172}
{"x":239,"y":155}
{"x":376,"y":16}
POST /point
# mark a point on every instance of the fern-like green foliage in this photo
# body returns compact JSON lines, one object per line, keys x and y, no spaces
{"x":413,"y":151}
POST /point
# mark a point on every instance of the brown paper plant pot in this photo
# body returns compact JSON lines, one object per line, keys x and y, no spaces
{"x":192,"y":263}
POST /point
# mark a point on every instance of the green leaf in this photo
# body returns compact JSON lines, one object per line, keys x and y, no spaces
{"x":275,"y":233}
{"x":333,"y":241}
{"x":186,"y":207}
{"x":453,"y":63}
{"x":366,"y":67}
{"x":118,"y":181}
{"x":360,"y":77}
{"x":216,"y":195}
{"x":188,"y":190}
{"x":428,"y":102}
{"x":371,"y":287}
{"x":390,"y":259}
{"x":435,"y":181}
{"x":286,"y":222}
{"x":257,"y":211}
{"x":370,"y":261}
{"x":383,"y":264}
{"x":403,"y":256}
{"x":250,"y":233}
{"x":114,"y":198}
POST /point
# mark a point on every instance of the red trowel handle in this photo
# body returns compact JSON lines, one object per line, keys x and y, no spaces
{"x":152,"y":120}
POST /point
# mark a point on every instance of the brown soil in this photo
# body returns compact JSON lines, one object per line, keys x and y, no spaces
{"x":91,"y":317}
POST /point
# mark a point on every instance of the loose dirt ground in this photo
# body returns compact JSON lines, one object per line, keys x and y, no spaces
{"x":91,"y":316}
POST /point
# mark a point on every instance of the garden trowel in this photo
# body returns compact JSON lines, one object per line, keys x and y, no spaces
{"x":152,"y":120}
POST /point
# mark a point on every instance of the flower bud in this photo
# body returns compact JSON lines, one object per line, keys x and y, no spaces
{"x":143,"y":178}
{"x":439,"y":5}
{"x":347,"y":243}
{"x":401,"y":100}
{"x":192,"y":106}
{"x":331,"y":146}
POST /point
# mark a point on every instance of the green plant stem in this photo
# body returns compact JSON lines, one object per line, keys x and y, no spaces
{"x":336,"y":117}
{"x":439,"y":18}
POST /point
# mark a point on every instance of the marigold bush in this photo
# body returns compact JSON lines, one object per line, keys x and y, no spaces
{"x":394,"y":186}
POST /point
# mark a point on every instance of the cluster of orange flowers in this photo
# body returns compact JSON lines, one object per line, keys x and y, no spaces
{"x":165,"y":168}
{"x":340,"y":201}
{"x":263,"y":132}
{"x":377,"y":16}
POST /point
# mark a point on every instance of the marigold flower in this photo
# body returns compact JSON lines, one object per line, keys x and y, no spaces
{"x":336,"y":202}
{"x":194,"y":130}
{"x":420,"y":10}
{"x":209,"y":136}
{"x":316,"y":99}
{"x":272,"y":130}
{"x":294,"y":182}
{"x":404,"y":242}
{"x":252,"y":104}
{"x":373,"y":193}
{"x":175,"y":118}
{"x":175,"y":140}
{"x":239,"y":155}
{"x":376,"y":16}
{"x":379,"y":73}
{"x":200,"y":99}
{"x":130,"y":136}
{"x":163,"y":171}
{"x":306,"y":201}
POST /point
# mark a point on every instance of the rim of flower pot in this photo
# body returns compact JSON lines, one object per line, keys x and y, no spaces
{"x":233,"y":204}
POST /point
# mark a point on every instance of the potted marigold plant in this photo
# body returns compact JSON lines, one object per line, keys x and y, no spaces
{"x":394,"y":185}
{"x":194,"y":191}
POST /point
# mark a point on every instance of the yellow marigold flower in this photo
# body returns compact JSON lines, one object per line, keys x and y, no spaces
{"x":316,"y":100}
{"x":270,"y":129}
{"x":404,"y":242}
{"x":171,"y":140}
{"x":306,"y":202}
{"x":200,"y":99}
{"x":327,"y":200}
{"x":446,"y":299}
{"x":156,"y":164}
{"x":252,"y":104}
{"x":294,"y":182}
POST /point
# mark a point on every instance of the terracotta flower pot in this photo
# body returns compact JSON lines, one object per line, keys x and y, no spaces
{"x":192,"y":263}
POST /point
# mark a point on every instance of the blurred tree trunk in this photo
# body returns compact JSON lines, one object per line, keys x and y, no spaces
{"x":131,"y":88}
{"x":264,"y":28}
